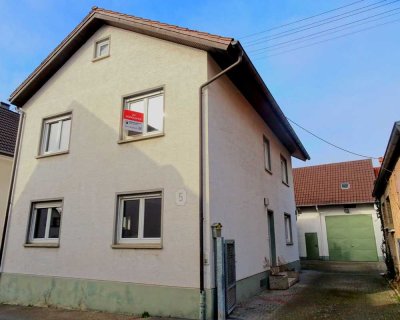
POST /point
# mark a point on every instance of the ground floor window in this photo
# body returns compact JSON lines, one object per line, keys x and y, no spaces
{"x":45,"y":222}
{"x":139,"y":218}
{"x":288,"y":229}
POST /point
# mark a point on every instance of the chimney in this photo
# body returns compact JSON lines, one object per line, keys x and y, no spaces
{"x":4,"y":105}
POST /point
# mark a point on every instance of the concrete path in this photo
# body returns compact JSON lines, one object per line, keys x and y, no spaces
{"x":324,"y":295}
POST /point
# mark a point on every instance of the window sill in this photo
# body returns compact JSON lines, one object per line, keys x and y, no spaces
{"x":267,"y":170}
{"x":286,"y":184}
{"x":51,"y":154}
{"x":100,"y":58}
{"x":150,"y":136}
{"x":137,"y":246}
{"x":41,"y":245}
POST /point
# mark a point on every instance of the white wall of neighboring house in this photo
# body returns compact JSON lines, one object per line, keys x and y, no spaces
{"x":310,"y":220}
{"x":97,"y":167}
{"x":238,"y":181}
{"x":5,"y":177}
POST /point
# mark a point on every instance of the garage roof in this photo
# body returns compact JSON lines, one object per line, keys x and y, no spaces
{"x":322,"y":184}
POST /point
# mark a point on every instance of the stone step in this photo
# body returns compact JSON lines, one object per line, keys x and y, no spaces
{"x":292,"y":281}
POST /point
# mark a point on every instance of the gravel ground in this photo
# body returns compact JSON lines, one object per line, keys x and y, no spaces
{"x":323,"y":295}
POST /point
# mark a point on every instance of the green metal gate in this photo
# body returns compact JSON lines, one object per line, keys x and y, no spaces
{"x":351,"y":238}
{"x":230,"y":275}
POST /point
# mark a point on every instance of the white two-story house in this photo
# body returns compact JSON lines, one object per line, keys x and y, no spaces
{"x":128,"y":156}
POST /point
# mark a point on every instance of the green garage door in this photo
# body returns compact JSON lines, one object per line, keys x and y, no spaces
{"x":351,"y":238}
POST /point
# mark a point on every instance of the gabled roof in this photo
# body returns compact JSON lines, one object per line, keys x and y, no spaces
{"x":8,"y":131}
{"x":392,"y":156}
{"x":224,"y":51}
{"x":321,"y":185}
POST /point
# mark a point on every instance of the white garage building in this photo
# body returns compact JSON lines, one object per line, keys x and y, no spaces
{"x":336,"y":215}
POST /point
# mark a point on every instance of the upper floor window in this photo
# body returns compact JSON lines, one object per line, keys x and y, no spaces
{"x":45,"y":222}
{"x":55,"y":134}
{"x":143,"y":115}
{"x":102,"y":48}
{"x":284,"y":171}
{"x":267,"y":155}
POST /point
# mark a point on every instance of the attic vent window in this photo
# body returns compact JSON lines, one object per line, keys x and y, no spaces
{"x":345,"y":185}
{"x":102,"y":48}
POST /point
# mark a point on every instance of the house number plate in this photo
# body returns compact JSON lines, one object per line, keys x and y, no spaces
{"x":180,"y":197}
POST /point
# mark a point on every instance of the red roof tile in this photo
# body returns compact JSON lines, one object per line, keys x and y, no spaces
{"x":376,"y":171}
{"x":321,"y":185}
{"x":166,"y":26}
{"x":8,"y":131}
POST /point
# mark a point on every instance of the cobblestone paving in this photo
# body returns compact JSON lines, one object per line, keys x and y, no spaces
{"x":332,"y":296}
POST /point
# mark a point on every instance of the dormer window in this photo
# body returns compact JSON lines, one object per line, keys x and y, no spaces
{"x":345,"y":185}
{"x":102,"y":48}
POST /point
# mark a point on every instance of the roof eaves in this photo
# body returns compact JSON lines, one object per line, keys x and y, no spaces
{"x":333,"y":203}
{"x":7,"y":154}
{"x":151,"y":25}
{"x":299,"y":152}
{"x":390,"y":159}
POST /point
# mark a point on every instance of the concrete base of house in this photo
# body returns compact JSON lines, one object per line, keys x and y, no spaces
{"x":120,"y":297}
{"x":250,"y":286}
{"x":108,"y":296}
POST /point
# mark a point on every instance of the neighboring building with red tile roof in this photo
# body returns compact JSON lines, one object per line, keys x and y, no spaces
{"x":8,"y":135}
{"x":336,"y":214}
{"x":322,"y":184}
{"x":8,"y":130}
{"x":376,"y":171}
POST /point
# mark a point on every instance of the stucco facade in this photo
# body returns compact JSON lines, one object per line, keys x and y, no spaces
{"x":86,"y":269}
{"x":5,"y":177}
{"x":387,"y":194}
{"x":97,"y":167}
{"x":313,"y":220}
{"x":390,"y":206}
{"x":239,"y":183}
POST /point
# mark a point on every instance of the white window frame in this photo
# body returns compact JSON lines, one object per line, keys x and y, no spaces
{"x":49,"y":206}
{"x":288,"y":228}
{"x":267,"y":155}
{"x":98,"y":44}
{"x":140,"y":239}
{"x":145,"y":97}
{"x":46,"y":130}
{"x":284,"y":170}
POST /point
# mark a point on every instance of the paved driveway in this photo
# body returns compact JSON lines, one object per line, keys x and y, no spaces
{"x":319,"y":295}
{"x":323,"y":295}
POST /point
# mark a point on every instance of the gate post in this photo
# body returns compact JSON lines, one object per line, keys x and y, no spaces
{"x":220,"y":270}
